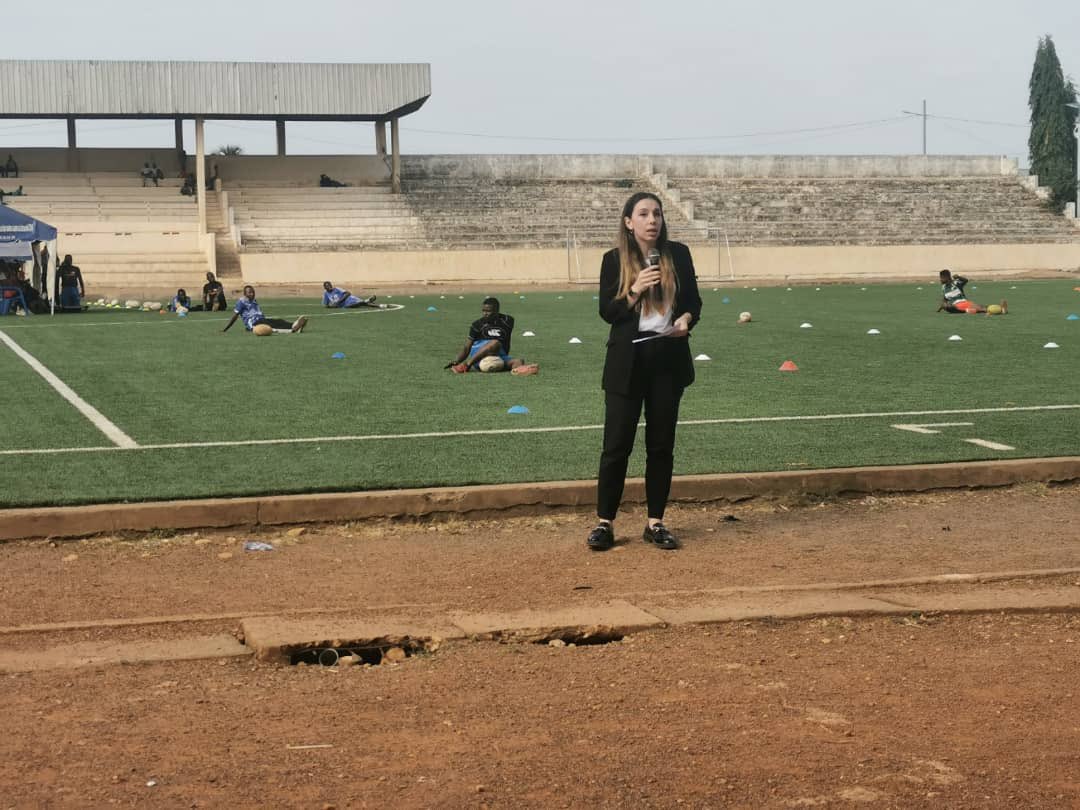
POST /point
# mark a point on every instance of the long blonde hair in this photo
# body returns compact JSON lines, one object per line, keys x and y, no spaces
{"x":631,"y":262}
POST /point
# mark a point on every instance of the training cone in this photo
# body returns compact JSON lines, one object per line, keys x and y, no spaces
{"x":1072,"y":317}
{"x":1051,"y":345}
{"x":528,"y":334}
{"x":955,"y":337}
{"x":703,"y":357}
{"x":432,"y":309}
{"x":337,"y":356}
{"x":806,"y":326}
{"x":873,"y":331}
{"x":575,"y":340}
{"x":725,"y":300}
{"x":518,"y":409}
{"x":788,"y":366}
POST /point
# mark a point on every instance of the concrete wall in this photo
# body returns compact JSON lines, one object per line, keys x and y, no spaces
{"x":554,"y":267}
{"x":360,"y":169}
{"x":584,"y":167}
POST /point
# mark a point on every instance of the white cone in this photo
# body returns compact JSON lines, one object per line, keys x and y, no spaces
{"x":955,"y":337}
{"x":1051,"y":345}
{"x":703,"y":357}
{"x":575,"y":340}
{"x":806,"y":326}
{"x":528,"y":334}
{"x":873,"y":331}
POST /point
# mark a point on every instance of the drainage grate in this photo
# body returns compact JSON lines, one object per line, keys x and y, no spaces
{"x":582,"y":638}
{"x":361,"y":653}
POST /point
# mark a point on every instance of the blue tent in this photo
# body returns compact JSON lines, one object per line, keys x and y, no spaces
{"x":18,"y":230}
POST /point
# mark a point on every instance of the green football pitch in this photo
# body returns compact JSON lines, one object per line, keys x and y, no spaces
{"x":143,"y":406}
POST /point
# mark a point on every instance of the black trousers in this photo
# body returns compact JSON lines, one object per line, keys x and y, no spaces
{"x":275,"y":323}
{"x":653,"y":388}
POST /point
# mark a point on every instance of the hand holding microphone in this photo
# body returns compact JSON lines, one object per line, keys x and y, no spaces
{"x":650,"y":276}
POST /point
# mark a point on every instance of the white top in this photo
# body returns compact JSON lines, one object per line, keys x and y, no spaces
{"x":655,"y":321}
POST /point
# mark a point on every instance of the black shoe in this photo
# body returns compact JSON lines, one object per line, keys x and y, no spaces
{"x":660,"y":537}
{"x":601,"y":538}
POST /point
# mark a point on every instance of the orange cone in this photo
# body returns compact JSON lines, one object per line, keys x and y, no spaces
{"x":789,"y":366}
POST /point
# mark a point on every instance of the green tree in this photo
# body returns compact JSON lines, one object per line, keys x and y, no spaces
{"x":1051,"y":143}
{"x":228,"y":149}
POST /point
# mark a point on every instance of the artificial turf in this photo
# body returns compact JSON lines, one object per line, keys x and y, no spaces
{"x":169,"y":380}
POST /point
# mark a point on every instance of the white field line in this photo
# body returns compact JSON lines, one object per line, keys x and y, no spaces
{"x":989,"y":445}
{"x":926,"y":428}
{"x":172,"y":319}
{"x":111,"y":431}
{"x":519,"y":431}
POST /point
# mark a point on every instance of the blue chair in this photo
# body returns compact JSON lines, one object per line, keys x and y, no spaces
{"x":7,"y":301}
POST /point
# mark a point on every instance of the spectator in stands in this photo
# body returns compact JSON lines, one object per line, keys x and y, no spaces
{"x":158,"y":173}
{"x":211,"y":181}
{"x":329,"y":182}
{"x":147,"y":175}
{"x":16,"y":193}
{"x":213,"y":295}
{"x":343,"y":299}
{"x":10,"y":169}
{"x":248,"y":310}
{"x":71,"y":288}
{"x":953,"y":299}
{"x":188,"y":189}
{"x":489,"y":336}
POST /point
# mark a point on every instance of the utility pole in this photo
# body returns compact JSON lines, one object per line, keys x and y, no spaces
{"x":924,"y":117}
{"x":1076,"y":134}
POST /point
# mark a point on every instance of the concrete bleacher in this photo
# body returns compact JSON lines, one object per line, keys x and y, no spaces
{"x":479,"y":212}
{"x":122,"y":235}
{"x":873,"y":211}
{"x":290,"y":218}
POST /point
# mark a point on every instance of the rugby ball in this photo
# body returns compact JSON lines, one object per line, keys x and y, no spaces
{"x":744,"y":317}
{"x":262,"y":329}
{"x":181,"y":310}
{"x":994,"y":309}
{"x":490,"y":364}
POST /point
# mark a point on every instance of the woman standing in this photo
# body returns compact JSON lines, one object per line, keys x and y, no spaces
{"x":649,"y":295}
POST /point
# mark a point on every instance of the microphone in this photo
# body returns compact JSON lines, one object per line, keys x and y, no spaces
{"x":655,"y":293}
{"x":654,"y":258}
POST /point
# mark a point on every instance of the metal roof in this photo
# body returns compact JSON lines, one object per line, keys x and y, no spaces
{"x":229,"y":90}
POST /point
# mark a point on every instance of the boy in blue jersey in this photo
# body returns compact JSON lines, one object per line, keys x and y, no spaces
{"x":490,"y":337}
{"x":954,"y":300}
{"x":249,"y":311}
{"x":336,"y":297}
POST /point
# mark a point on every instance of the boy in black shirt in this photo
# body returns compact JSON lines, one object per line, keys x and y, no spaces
{"x":213,"y":295}
{"x":490,"y":337}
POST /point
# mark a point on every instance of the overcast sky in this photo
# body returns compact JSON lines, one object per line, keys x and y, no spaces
{"x":599,"y":76}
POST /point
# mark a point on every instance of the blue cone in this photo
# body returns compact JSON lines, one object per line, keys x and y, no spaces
{"x":432,"y":309}
{"x":1072,"y":317}
{"x":725,"y":300}
{"x":518,"y":409}
{"x":337,"y":356}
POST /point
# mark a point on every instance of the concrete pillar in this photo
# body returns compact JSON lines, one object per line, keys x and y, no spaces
{"x":178,"y":130}
{"x":280,"y":126}
{"x":200,"y":172}
{"x":72,"y":154}
{"x":395,"y":160}
{"x":380,"y":138}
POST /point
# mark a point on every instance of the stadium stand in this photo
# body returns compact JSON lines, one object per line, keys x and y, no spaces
{"x":122,"y":235}
{"x":874,"y":211}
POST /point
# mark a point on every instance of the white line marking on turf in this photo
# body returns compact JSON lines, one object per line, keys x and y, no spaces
{"x":990,"y":445}
{"x":111,"y":431}
{"x":735,"y":420}
{"x":925,"y":428}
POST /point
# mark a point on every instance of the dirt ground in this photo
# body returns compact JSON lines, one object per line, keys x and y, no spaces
{"x":923,"y":710}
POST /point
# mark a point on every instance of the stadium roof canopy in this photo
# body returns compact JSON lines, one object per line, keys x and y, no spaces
{"x":270,"y":91}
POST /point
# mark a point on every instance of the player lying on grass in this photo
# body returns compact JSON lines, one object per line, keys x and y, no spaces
{"x":489,"y":336}
{"x":248,"y":310}
{"x":343,"y":299}
{"x":953,"y":299}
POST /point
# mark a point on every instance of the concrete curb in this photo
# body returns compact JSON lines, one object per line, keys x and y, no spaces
{"x":478,"y":501}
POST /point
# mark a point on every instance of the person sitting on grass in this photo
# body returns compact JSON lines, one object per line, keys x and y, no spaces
{"x":953,"y":299}
{"x":343,"y":299}
{"x":248,"y":310}
{"x":182,"y":301}
{"x":490,"y":337}
{"x":213,"y":295}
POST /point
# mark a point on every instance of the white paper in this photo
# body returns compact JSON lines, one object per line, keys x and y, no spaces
{"x":666,"y":331}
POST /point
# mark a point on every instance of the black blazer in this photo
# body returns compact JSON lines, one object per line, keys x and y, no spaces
{"x":619,"y":363}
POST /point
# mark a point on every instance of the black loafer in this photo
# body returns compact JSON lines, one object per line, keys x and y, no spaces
{"x":601,"y":538}
{"x":660,"y":537}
